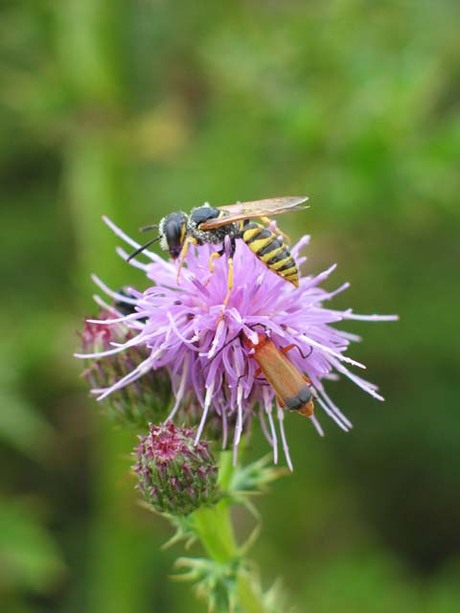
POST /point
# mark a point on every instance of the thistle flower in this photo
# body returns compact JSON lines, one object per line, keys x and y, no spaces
{"x":137,"y":404}
{"x":175,"y":475}
{"x":181,"y":327}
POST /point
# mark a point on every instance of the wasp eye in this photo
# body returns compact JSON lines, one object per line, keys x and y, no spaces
{"x":173,"y":238}
{"x":174,"y":233}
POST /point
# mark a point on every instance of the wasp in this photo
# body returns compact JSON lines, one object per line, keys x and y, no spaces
{"x":292,"y":389}
{"x":212,"y":225}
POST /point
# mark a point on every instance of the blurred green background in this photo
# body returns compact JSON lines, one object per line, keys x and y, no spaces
{"x":134,"y":109}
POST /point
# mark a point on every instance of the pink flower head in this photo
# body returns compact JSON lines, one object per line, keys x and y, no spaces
{"x":175,"y":475}
{"x":182,"y":327}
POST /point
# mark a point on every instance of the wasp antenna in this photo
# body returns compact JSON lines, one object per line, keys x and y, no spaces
{"x":142,"y":248}
{"x":147,"y":228}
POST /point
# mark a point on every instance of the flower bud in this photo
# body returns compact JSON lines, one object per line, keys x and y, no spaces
{"x":175,"y":475}
{"x":146,"y":399}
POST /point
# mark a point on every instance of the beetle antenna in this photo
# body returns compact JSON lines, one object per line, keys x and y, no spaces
{"x":154,"y":226}
{"x":142,"y":248}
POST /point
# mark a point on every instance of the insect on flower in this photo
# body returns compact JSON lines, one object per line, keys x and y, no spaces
{"x":179,"y":329}
{"x":207,"y":224}
{"x":292,"y":389}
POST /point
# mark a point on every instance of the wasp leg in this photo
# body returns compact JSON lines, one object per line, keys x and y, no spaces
{"x":230,"y":279}
{"x":267,"y":221}
{"x":229,"y":290}
{"x":214,"y":256}
{"x":183,"y":254}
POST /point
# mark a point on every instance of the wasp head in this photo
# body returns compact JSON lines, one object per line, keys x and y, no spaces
{"x":172,"y":231}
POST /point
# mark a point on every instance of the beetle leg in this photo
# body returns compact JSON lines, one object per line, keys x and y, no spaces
{"x":294,"y":346}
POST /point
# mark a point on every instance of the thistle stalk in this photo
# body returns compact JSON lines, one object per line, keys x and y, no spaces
{"x":214,"y":529}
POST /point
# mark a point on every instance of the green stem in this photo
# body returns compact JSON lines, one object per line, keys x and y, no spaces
{"x":213,"y":526}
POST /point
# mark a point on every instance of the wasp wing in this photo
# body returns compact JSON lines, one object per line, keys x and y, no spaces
{"x":253,"y":209}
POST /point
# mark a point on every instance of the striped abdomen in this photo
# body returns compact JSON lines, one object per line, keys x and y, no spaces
{"x":270,"y":249}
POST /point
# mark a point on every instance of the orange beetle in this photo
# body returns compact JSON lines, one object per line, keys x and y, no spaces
{"x":292,"y":389}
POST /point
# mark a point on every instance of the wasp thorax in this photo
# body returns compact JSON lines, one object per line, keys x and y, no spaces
{"x":172,"y":232}
{"x":203,"y":215}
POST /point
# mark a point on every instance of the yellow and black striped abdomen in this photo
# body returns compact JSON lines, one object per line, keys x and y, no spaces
{"x":270,"y":249}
